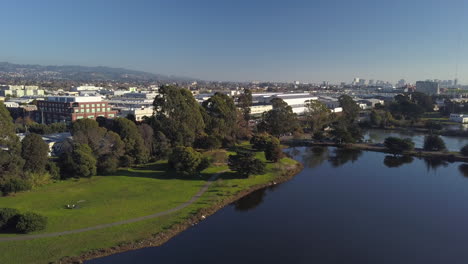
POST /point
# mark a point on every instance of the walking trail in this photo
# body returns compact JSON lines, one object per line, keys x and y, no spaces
{"x":128,"y":221}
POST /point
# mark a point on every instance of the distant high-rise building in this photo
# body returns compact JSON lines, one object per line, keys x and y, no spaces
{"x":455,"y":82}
{"x":362,"y":82}
{"x":371,"y":82}
{"x":427,"y":87}
{"x":401,"y":83}
{"x":355,"y":81}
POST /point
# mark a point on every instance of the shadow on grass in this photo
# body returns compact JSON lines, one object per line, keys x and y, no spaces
{"x":160,"y":171}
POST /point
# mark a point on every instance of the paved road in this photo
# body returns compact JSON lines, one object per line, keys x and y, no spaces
{"x":128,"y":221}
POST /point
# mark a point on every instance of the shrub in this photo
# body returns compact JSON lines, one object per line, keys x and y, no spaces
{"x":208,"y":142}
{"x":53,"y":170}
{"x":273,"y":152}
{"x":262,"y":140}
{"x":187,"y":161}
{"x":464,"y":150}
{"x":37,"y":179}
{"x":246,"y":164}
{"x":30,"y":222}
{"x":7,"y":218}
{"x":15,"y":185}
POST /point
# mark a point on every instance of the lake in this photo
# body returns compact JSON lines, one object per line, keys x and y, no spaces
{"x":344,"y":207}
{"x":379,"y":135}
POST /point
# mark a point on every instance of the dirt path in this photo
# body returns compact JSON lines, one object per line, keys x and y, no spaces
{"x":128,"y":221}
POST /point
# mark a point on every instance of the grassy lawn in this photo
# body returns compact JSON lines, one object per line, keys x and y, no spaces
{"x":106,"y":199}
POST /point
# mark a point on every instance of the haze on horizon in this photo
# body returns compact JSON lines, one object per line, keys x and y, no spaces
{"x":309,"y":41}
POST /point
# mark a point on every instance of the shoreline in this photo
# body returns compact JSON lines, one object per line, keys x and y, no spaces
{"x":163,"y":237}
{"x":417,"y":152}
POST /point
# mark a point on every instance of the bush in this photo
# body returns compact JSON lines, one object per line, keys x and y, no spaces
{"x":37,"y":179}
{"x":8,"y":218}
{"x":187,"y":161}
{"x":464,"y":150}
{"x":246,"y":164}
{"x":208,"y":142}
{"x":262,"y":140}
{"x":15,"y":185}
{"x":30,"y":222}
{"x":53,"y":170}
{"x":273,"y":152}
{"x":434,"y":143}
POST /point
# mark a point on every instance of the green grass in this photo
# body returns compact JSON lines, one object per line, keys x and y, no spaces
{"x":129,"y":194}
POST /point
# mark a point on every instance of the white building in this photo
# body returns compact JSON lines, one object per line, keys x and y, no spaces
{"x":21,"y":90}
{"x":139,"y":113}
{"x":459,"y":118}
{"x":86,"y":87}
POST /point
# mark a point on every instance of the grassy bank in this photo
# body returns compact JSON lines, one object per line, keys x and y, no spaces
{"x":128,"y":194}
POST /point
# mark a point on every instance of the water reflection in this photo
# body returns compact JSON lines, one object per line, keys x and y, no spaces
{"x":463,"y":168}
{"x":435,"y":163}
{"x":314,"y":156}
{"x":396,"y":161}
{"x":250,"y":201}
{"x":342,"y":156}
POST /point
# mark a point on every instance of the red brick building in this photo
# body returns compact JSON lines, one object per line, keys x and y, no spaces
{"x":70,"y":108}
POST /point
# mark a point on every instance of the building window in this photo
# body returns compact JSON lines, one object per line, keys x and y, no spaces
{"x":91,"y":116}
{"x":108,"y":109}
{"x":110,"y":115}
{"x":79,"y":117}
{"x":92,"y":105}
{"x":82,"y":110}
{"x":98,"y":110}
{"x":93,"y":110}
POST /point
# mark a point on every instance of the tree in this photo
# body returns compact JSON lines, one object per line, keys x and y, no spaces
{"x":134,"y":144}
{"x":280,"y":120}
{"x":397,"y":161}
{"x":147,"y":134}
{"x":273,"y":152}
{"x":245,"y":164}
{"x":35,"y":153}
{"x":187,"y":161}
{"x":398,"y":146}
{"x":11,"y":163}
{"x":350,"y":108}
{"x":434,"y":143}
{"x":178,"y":115}
{"x":261,"y":141}
{"x":244,"y":102}
{"x":345,"y":132}
{"x":423,"y":100}
{"x":162,"y":146}
{"x":464,"y":150}
{"x":79,"y":163}
{"x":220,"y":116}
{"x":317,"y":115}
{"x":14,"y":185}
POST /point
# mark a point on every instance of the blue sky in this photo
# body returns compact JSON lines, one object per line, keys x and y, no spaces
{"x":313,"y":41}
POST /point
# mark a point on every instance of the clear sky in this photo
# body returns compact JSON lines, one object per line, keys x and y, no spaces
{"x":309,"y":40}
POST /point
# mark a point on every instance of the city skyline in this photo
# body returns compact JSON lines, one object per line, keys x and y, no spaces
{"x":311,"y":42}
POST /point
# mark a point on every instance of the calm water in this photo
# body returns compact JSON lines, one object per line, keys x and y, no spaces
{"x":344,"y":207}
{"x":379,"y":135}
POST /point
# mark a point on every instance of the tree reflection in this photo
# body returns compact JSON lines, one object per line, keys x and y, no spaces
{"x":250,"y":201}
{"x":434,"y":163}
{"x":314,"y":156}
{"x":396,"y":161}
{"x":342,"y":156}
{"x":463,"y":168}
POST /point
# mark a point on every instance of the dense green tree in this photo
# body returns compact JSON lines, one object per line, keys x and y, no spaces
{"x":220,"y":116}
{"x":423,"y":100}
{"x":162,"y":146}
{"x":208,"y":142}
{"x":79,"y":163}
{"x":398,"y":145}
{"x":405,"y":108}
{"x":11,"y":163}
{"x":14,"y":185}
{"x":273,"y":152}
{"x":434,"y":143}
{"x":280,"y":120}
{"x":35,"y":152}
{"x":464,"y":150}
{"x":134,"y":144}
{"x":350,"y":108}
{"x":245,"y":164}
{"x":261,"y":141}
{"x":317,"y":115}
{"x":244,"y":101}
{"x":345,"y":132}
{"x":147,"y":134}
{"x":178,"y":115}
{"x":187,"y":161}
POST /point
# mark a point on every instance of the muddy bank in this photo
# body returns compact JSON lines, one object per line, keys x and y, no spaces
{"x":162,"y":237}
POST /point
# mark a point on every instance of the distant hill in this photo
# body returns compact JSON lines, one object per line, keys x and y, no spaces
{"x":80,"y":73}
